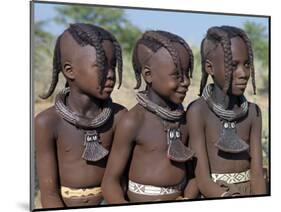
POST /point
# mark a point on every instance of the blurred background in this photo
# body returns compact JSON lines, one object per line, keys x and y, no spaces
{"x":127,"y":25}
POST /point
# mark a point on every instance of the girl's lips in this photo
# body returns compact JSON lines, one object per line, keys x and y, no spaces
{"x":108,"y":89}
{"x":242,"y":86}
{"x":182,"y":94}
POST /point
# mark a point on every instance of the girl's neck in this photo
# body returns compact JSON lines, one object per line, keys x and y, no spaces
{"x":226,"y":100}
{"x":157,"y":99}
{"x":83,"y":104}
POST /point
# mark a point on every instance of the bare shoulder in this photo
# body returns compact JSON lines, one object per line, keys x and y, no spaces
{"x":254,"y":110}
{"x":133,"y":118}
{"x":118,"y":110}
{"x":47,"y":119}
{"x":196,"y":108}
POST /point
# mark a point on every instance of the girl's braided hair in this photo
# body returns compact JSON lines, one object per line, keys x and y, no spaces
{"x":222,"y":35}
{"x":87,"y":34}
{"x":154,"y":40}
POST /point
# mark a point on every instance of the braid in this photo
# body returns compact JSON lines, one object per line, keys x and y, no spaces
{"x":222,"y":37}
{"x":105,"y":35}
{"x":86,"y":34}
{"x":117,"y":50}
{"x":176,"y":38}
{"x":83,"y":35}
{"x":217,"y":35}
{"x":234,"y":32}
{"x":137,"y":65}
{"x":251,"y":56}
{"x":154,"y":40}
{"x":157,"y":37}
{"x":56,"y":70}
{"x":118,"y":55}
{"x":204,"y":74}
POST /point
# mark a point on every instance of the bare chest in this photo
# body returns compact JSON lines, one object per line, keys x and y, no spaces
{"x":71,"y":140}
{"x":153,"y":135}
{"x":214,"y":127}
{"x":221,"y":161}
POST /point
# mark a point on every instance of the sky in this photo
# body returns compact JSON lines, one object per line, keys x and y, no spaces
{"x":189,"y":25}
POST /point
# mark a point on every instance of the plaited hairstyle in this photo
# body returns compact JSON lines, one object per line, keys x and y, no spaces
{"x":222,"y":36}
{"x":154,"y":40}
{"x":87,"y":34}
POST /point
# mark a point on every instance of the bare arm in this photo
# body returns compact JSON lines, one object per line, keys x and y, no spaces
{"x":47,"y":163}
{"x":191,"y":190}
{"x":257,"y":180}
{"x":119,"y":156}
{"x":197,"y":142}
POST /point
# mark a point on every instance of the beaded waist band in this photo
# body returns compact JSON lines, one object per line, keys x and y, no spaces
{"x":67,"y":192}
{"x":155,"y":190}
{"x":232,"y":178}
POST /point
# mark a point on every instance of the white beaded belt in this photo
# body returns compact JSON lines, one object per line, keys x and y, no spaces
{"x":154,"y":190}
{"x":232,"y":178}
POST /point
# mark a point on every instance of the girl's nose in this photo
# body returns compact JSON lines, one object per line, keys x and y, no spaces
{"x":185,"y":82}
{"x":242,"y":72}
{"x":110,"y":73}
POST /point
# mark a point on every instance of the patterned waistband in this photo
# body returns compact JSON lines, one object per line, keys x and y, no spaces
{"x":67,"y":192}
{"x":232,"y":178}
{"x":155,"y":190}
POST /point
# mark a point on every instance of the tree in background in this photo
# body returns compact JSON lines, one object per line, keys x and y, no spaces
{"x":42,"y":56}
{"x":112,"y":19}
{"x":259,"y":38}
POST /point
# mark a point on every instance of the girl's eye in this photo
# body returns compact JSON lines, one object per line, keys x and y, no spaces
{"x":247,"y":65}
{"x":176,"y":75}
{"x":234,"y":65}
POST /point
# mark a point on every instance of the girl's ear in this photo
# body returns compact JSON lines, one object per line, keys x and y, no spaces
{"x":209,"y":68}
{"x":68,"y":71}
{"x":146,"y":73}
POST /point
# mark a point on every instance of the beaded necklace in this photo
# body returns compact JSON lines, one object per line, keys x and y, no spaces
{"x":176,"y":151}
{"x":228,"y":141}
{"x":93,"y":150}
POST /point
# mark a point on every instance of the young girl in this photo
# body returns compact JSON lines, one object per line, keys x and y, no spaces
{"x":73,"y":138}
{"x":150,"y":140}
{"x":225,"y":129}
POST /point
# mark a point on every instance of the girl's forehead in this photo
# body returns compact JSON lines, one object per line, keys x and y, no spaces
{"x":182,"y":53}
{"x":238,"y":46}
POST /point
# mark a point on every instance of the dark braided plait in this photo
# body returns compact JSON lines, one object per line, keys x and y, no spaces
{"x":102,"y":35}
{"x":166,"y":43}
{"x":154,"y":40}
{"x":233,"y":32}
{"x":105,"y":35}
{"x":215,"y":37}
{"x":221,"y":36}
{"x":57,"y":67}
{"x":176,"y":38}
{"x":86,"y":34}
{"x":118,"y":55}
{"x":204,"y":77}
{"x":137,"y":65}
{"x":83,"y":36}
{"x":152,"y":45}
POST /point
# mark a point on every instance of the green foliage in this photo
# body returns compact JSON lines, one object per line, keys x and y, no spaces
{"x":259,"y":39}
{"x":42,"y":57}
{"x":112,"y":19}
